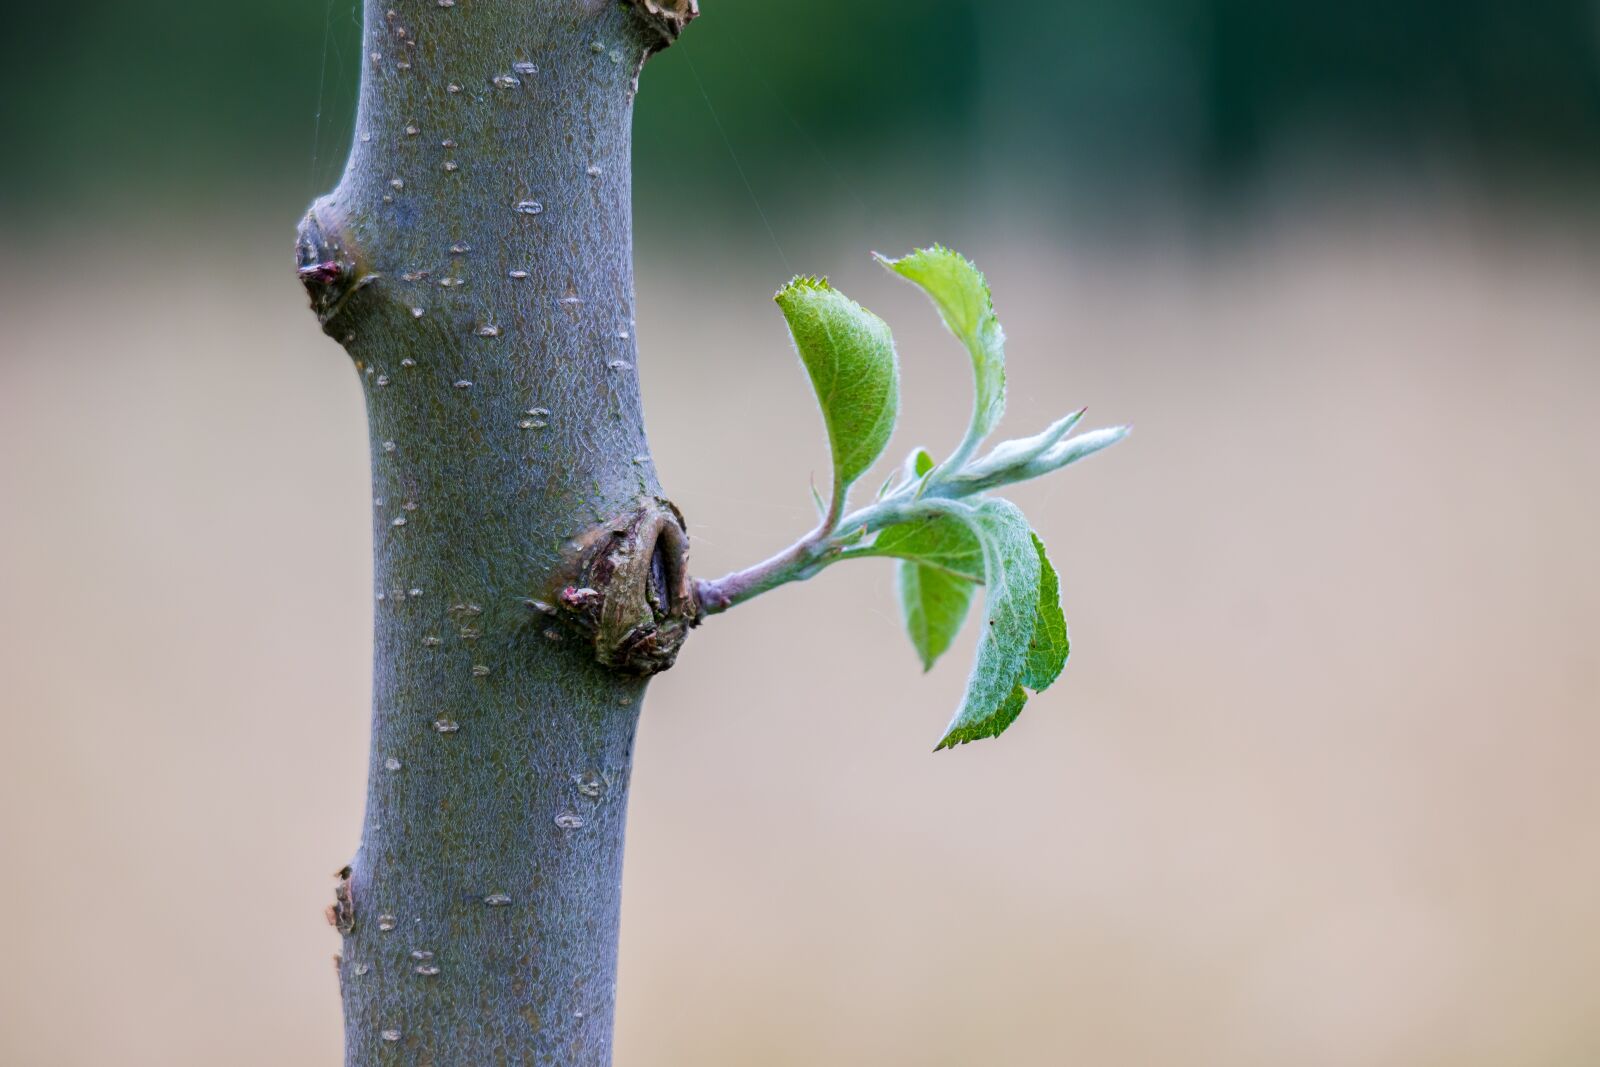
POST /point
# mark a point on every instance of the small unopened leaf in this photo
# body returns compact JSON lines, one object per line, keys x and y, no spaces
{"x":986,"y":475}
{"x":935,"y":604}
{"x":912,"y":471}
{"x":1075,"y":448}
{"x":1017,"y":453}
{"x":1050,"y":645}
{"x":994,"y":697}
{"x":961,"y":294}
{"x":849,"y":354}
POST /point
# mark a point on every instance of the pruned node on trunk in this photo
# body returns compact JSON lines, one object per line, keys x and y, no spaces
{"x":626,"y":587}
{"x":667,"y":17}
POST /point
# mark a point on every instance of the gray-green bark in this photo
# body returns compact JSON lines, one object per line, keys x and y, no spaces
{"x":476,"y":263}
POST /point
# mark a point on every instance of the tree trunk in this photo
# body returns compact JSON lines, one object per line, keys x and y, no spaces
{"x":476,"y":263}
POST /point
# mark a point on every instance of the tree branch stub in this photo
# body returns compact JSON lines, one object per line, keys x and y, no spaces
{"x":667,"y":18}
{"x":627,"y":587}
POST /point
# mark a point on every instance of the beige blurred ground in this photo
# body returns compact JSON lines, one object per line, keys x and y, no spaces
{"x":1319,"y":787}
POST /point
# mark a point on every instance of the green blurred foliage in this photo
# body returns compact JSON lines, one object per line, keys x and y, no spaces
{"x":115,"y":102}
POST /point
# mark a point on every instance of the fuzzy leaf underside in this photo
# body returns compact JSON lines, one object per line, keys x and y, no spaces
{"x":994,"y":697}
{"x":849,"y":354}
{"x":961,"y":295}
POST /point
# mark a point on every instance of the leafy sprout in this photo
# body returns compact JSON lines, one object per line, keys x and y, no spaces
{"x":937,"y":520}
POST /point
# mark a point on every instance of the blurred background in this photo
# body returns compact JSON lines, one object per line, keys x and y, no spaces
{"x":1319,"y":786}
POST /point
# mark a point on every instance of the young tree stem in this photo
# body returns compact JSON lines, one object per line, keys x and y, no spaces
{"x":475,"y":260}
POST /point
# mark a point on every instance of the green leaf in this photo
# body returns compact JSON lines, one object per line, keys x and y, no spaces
{"x":1012,"y":572}
{"x":941,"y":541}
{"x":959,"y":291}
{"x":921,"y":463}
{"x":942,"y":562}
{"x":935,"y":604}
{"x":849,"y":354}
{"x":1049,"y":647}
